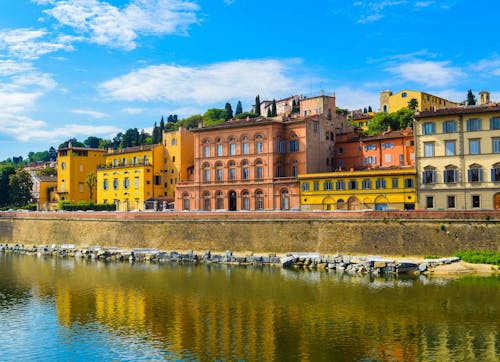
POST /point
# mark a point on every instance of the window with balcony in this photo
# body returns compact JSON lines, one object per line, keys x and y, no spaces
{"x":429,"y":176}
{"x":475,"y":173}
{"x":450,"y":175}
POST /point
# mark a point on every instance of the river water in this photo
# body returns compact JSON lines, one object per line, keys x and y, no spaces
{"x":62,"y":309}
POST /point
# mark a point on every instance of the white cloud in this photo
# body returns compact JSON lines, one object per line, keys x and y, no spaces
{"x":105,"y":24}
{"x":10,"y":67}
{"x":490,"y":66}
{"x":425,"y":72}
{"x":133,"y":110}
{"x":29,"y":44}
{"x":356,"y":98}
{"x":90,"y":113}
{"x":207,"y":84}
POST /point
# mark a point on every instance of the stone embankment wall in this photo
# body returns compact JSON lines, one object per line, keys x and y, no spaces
{"x":385,"y":234}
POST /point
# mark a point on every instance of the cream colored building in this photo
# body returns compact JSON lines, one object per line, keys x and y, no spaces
{"x":392,"y":102}
{"x":458,"y":158}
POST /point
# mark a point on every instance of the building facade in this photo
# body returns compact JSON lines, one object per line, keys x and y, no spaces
{"x":44,"y":191}
{"x":319,"y":105}
{"x":74,"y":164}
{"x":386,"y":149}
{"x":392,"y":102}
{"x":458,"y":158}
{"x":377,"y":189}
{"x":253,"y":164}
{"x":179,"y":158}
{"x":130,"y":177}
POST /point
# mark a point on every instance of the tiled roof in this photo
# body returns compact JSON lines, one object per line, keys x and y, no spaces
{"x":386,"y":135}
{"x":450,"y":111}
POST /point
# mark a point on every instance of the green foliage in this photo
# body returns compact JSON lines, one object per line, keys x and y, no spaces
{"x":191,"y":122}
{"x":156,"y":136}
{"x":471,"y":98}
{"x":239,"y":109}
{"x":269,"y":114}
{"x":274,"y":112}
{"x":105,"y":143}
{"x":257,"y":105}
{"x":340,"y":111}
{"x":92,"y":142}
{"x":91,"y":182}
{"x":246,"y":114}
{"x":42,"y":156}
{"x":20,"y":186}
{"x":83,"y":206}
{"x":229,"y":111}
{"x":30,"y":207}
{"x":48,"y":171}
{"x":396,"y":120}
{"x":413,"y":104}
{"x":479,"y":257}
{"x":295,"y":106}
{"x":74,"y":143}
{"x":214,"y":116}
{"x":431,"y":257}
{"x":131,"y":138}
{"x":5,"y":173}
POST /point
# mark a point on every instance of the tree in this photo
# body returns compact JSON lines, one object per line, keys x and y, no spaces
{"x":5,"y":173}
{"x":74,"y":143}
{"x":130,"y":138}
{"x":162,"y":124}
{"x":239,"y":109}
{"x":105,"y":143}
{"x":295,"y":106}
{"x":471,"y":98}
{"x":192,"y":121}
{"x":92,"y":142}
{"x":117,"y":140}
{"x":91,"y":182}
{"x":214,"y":116}
{"x":269,"y":114}
{"x":48,"y":171}
{"x":257,"y":105}
{"x":370,"y":109}
{"x":229,"y":111}
{"x":413,"y":104}
{"x":20,"y":186}
{"x":401,"y":119}
{"x":274,"y":112}
{"x":365,"y":110}
{"x":156,"y":136}
{"x":246,"y":115}
{"x":52,"y":153}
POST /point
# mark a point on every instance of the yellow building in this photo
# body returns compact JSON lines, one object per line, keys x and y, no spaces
{"x":179,"y":165}
{"x":131,"y":176}
{"x":73,"y":167}
{"x":458,"y":157}
{"x":376,"y":189}
{"x":393,"y":102}
{"x":44,"y":191}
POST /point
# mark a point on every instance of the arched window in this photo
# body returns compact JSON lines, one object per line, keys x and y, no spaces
{"x":219,"y":200}
{"x":245,"y":199}
{"x":285,"y":200}
{"x":218,"y":172}
{"x":258,"y":144}
{"x":206,"y":201}
{"x":495,"y":172}
{"x":450,"y":174}
{"x":206,"y":172}
{"x":259,"y":171}
{"x":245,"y":145}
{"x":293,"y":143}
{"x":206,"y":148}
{"x":429,"y":175}
{"x":475,"y":173}
{"x":218,"y":147}
{"x":232,"y":146}
{"x":232,"y":170}
{"x":245,"y":170}
{"x":259,"y":200}
{"x":185,"y":201}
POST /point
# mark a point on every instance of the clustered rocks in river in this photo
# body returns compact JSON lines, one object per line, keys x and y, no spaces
{"x":338,"y":262}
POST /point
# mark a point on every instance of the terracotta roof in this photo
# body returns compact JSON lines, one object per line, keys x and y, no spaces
{"x":492,"y":107}
{"x":387,"y":135}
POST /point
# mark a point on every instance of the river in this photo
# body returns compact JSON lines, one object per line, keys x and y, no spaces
{"x":66,"y":309}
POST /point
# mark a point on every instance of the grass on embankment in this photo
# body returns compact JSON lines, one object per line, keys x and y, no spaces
{"x":479,"y":257}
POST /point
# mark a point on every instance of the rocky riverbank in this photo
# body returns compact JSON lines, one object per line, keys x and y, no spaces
{"x":354,"y":265}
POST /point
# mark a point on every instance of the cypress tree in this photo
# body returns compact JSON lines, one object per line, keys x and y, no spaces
{"x":274,"y":113}
{"x":229,"y":111}
{"x":239,"y":109}
{"x":269,"y":114}
{"x":257,"y":105}
{"x":471,"y":99}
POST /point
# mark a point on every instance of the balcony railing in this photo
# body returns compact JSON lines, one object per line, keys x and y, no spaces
{"x":121,"y":165}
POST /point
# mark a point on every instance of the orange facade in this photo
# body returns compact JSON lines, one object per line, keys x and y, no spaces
{"x":387,"y":149}
{"x":253,"y":164}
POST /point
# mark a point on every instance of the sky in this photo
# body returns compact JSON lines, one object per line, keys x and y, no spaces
{"x":79,"y":68}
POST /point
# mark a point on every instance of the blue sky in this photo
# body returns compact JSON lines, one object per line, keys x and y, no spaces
{"x":75,"y":68}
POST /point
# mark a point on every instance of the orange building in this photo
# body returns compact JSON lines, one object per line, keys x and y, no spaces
{"x":324,"y":105}
{"x":387,"y":149}
{"x":253,"y":164}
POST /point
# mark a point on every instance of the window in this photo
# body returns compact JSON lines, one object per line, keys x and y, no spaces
{"x":495,"y":173}
{"x":294,"y":146}
{"x":429,"y":176}
{"x":449,"y":148}
{"x":341,"y":163}
{"x":475,"y":174}
{"x":295,"y":171}
{"x":395,"y":183}
{"x":474,"y":125}
{"x":428,"y":149}
{"x":404,"y":95}
{"x":185,"y":201}
{"x":474,"y":147}
{"x":327,"y":186}
{"x":63,"y":165}
{"x":219,"y":149}
{"x":136,"y":182}
{"x":124,"y":161}
{"x":259,"y":170}
{"x":315,"y":185}
{"x":259,"y":200}
{"x":496,"y":145}
{"x":258,"y":145}
{"x":366,"y":184}
{"x":370,"y":147}
{"x":409,"y":183}
{"x":157,"y":180}
{"x":429,"y":202}
{"x":370,"y":160}
{"x":352,"y":185}
{"x":126,"y":183}
{"x":387,"y":158}
{"x":115,"y":184}
{"x":341,"y":150}
{"x":245,"y":146}
{"x":495,"y":123}
{"x":279,"y":171}
{"x":281,"y":147}
{"x":105,"y":184}
{"x":219,"y":200}
{"x":173,"y":142}
{"x":380,"y":183}
{"x":245,"y":198}
{"x":145,"y":160}
{"x":232,"y":171}
{"x":450,"y":175}
{"x":305,"y":186}
{"x":206,"y":172}
{"x":476,"y":201}
{"x":315,"y":127}
{"x":206,"y":151}
{"x":245,"y":171}
{"x":388,"y":145}
{"x":206,"y":201}
{"x":218,"y":174}
{"x":134,"y":160}
{"x":429,"y":128}
{"x":80,"y":186}
{"x":232,"y":149}
{"x":449,"y":126}
{"x":451,"y":202}
{"x":340,"y":185}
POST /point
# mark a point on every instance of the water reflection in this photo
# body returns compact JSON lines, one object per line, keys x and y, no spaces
{"x":140,"y":311}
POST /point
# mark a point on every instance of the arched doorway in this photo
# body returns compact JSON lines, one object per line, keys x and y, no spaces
{"x":328,"y":203}
{"x":232,"y":200}
{"x":497,"y":201}
{"x":285,"y":200}
{"x":353,"y":203}
{"x":341,"y":205}
{"x":381,"y":203}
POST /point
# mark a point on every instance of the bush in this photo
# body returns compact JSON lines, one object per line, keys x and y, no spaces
{"x":86,"y":206}
{"x":479,"y":257}
{"x":30,"y":207}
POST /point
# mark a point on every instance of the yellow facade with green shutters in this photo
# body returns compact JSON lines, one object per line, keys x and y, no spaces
{"x":377,"y":189}
{"x":131,"y":176}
